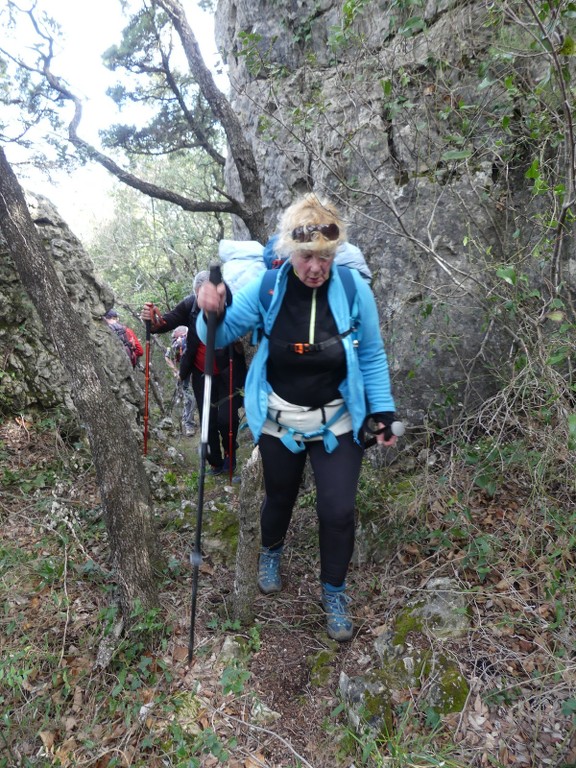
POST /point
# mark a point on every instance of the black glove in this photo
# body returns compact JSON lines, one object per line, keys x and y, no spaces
{"x":371,"y":423}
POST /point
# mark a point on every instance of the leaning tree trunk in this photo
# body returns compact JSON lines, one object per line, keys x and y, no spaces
{"x":251,"y":494}
{"x":127,"y":505}
{"x":239,"y":146}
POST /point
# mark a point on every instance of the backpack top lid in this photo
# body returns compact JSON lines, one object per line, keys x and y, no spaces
{"x":244,"y":260}
{"x":241,"y":262}
{"x":347,"y":255}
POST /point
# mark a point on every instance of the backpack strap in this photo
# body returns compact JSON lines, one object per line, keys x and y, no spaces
{"x":267,"y":288}
{"x":349,"y":285}
{"x":265,"y":297}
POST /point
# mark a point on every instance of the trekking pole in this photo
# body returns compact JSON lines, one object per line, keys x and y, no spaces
{"x":196,"y":556}
{"x":230,"y":374}
{"x":147,"y":382}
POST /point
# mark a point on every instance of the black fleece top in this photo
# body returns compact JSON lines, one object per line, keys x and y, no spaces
{"x":312,"y":378}
{"x":185,"y":313}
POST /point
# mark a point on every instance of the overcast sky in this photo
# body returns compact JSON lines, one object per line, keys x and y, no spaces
{"x":89,"y":28}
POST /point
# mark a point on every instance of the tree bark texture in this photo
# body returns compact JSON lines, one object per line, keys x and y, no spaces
{"x":251,"y":496}
{"x":123,"y":484}
{"x":240,"y":148}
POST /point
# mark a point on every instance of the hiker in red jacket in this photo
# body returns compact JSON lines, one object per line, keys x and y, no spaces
{"x":126,"y":335}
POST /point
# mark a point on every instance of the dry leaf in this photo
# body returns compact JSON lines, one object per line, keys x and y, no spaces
{"x":256,"y":760}
{"x":78,"y":700}
{"x":70,"y":723}
{"x":65,"y":752}
{"x":103,"y":761}
{"x":180,"y":653}
{"x":48,"y":738}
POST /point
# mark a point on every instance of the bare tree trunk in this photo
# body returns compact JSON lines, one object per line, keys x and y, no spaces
{"x":240,"y":147}
{"x":126,"y":503}
{"x":251,"y":494}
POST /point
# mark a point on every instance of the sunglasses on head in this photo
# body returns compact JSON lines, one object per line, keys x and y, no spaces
{"x":304,"y":234}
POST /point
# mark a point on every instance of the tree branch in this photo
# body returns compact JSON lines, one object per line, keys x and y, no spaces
{"x":240,"y":148}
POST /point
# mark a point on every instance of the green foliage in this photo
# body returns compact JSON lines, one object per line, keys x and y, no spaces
{"x":249,"y":50}
{"x":304,"y":29}
{"x":27,"y":99}
{"x":150,"y":250}
{"x":234,"y":678}
{"x":28,"y":479}
{"x":399,"y":747}
{"x":351,"y":9}
{"x":15,"y":670}
{"x":156,"y":85}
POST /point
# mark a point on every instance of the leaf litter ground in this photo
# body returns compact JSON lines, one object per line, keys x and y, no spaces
{"x":280,"y":706}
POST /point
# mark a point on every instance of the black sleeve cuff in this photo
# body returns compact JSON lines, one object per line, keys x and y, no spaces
{"x":385,"y":417}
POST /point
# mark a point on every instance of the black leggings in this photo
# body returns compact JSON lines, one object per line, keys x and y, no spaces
{"x":336,"y":476}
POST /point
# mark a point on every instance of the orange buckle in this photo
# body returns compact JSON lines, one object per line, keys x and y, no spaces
{"x":300,"y":348}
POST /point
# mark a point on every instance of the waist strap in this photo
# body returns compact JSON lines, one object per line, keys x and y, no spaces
{"x":304,"y":347}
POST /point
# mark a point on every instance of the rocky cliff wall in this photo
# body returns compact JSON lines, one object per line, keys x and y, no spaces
{"x":30,"y":374}
{"x":401,"y":113}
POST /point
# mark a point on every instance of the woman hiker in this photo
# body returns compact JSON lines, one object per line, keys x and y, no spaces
{"x":319,"y":372}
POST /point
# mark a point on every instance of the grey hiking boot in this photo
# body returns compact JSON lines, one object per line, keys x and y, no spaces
{"x":269,"y":580}
{"x":335,"y":603}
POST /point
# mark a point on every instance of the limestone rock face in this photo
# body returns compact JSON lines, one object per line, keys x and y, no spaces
{"x":31,"y":373}
{"x":374,"y":110}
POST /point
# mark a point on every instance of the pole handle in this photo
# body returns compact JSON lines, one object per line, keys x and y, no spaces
{"x":396,"y":428}
{"x":215,"y":279}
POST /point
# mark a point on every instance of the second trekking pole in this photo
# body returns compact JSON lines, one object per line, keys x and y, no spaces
{"x":146,"y":385}
{"x":196,"y":556}
{"x":230,"y":410}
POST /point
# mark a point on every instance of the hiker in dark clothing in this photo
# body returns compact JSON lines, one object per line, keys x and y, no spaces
{"x":192,"y":364}
{"x":126,"y":335}
{"x":173,"y":356}
{"x":319,"y":372}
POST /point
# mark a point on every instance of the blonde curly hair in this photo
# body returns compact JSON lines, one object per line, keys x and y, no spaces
{"x":298,"y":226}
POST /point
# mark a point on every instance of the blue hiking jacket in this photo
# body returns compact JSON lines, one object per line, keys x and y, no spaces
{"x":365,"y":390}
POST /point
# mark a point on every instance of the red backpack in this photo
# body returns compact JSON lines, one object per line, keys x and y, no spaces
{"x":120,"y":331}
